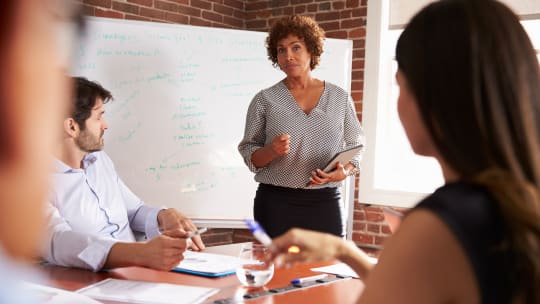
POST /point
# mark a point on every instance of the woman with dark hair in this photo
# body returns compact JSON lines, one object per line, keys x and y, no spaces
{"x":293,"y":129}
{"x":470,"y":97}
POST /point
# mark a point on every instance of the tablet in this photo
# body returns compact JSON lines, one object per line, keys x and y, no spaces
{"x":343,"y":157}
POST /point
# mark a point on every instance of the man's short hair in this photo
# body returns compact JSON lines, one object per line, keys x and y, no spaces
{"x":85,"y":97}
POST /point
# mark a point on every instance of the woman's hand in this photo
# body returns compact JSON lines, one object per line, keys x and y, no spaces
{"x":281,"y":144}
{"x":319,"y":177}
{"x":298,"y":245}
{"x":172,"y":219}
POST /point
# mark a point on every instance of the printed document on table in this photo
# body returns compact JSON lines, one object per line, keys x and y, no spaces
{"x":339,"y":269}
{"x":51,"y":295}
{"x":146,"y":292}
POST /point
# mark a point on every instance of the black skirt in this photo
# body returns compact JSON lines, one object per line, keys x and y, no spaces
{"x":279,"y":209}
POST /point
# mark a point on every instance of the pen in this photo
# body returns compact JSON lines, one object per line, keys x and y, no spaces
{"x":309,"y":279}
{"x":196,"y":232}
{"x":258,"y":232}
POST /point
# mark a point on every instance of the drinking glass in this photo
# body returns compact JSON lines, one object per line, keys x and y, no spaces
{"x":254,"y":271}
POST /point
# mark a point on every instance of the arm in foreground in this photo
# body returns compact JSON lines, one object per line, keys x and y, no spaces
{"x":316,"y":247}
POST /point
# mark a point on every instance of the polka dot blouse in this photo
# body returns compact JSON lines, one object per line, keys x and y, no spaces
{"x":332,"y":126}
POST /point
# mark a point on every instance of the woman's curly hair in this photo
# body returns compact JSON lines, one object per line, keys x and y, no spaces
{"x":304,"y":28}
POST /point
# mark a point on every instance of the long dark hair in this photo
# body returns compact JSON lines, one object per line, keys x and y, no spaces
{"x":476,"y":78}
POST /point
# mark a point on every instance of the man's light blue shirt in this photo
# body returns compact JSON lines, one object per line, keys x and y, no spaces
{"x":89,"y":210}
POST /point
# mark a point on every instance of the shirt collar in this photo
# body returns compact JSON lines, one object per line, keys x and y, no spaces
{"x":61,"y":167}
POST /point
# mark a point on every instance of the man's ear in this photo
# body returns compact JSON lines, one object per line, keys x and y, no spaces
{"x":71,"y":127}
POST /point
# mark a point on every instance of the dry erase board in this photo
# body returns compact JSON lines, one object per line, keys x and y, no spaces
{"x":180,"y":98}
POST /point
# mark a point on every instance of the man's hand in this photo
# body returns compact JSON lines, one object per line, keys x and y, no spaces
{"x":163,"y":252}
{"x":172,"y":219}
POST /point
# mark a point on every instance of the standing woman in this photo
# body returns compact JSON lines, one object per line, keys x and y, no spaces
{"x":293,"y":129}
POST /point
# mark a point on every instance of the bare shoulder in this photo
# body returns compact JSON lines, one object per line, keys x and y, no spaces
{"x":422,"y":263}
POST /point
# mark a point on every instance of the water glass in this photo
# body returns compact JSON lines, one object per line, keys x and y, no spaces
{"x":255,"y":271}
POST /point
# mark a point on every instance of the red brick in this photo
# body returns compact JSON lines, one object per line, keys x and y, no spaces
{"x":352,"y":3}
{"x":289,"y":10}
{"x":224,"y":10}
{"x":198,"y":22}
{"x":385,"y":229}
{"x":329,"y":26}
{"x":278,"y":3}
{"x":166,"y":6}
{"x":358,"y":33}
{"x":264,"y":14}
{"x":357,"y":75}
{"x":183,"y":2}
{"x":294,"y":2}
{"x":277,"y":11}
{"x":125,"y":7}
{"x":177,"y":18}
{"x":312,"y":7}
{"x":345,"y":14}
{"x":361,"y":12}
{"x":212,"y":16}
{"x":300,"y":9}
{"x":256,"y":24}
{"x":108,"y":14}
{"x":327,"y":16}
{"x":149,"y":3}
{"x":100,"y":3}
{"x":359,"y":43}
{"x":359,"y":215}
{"x":252,"y":6}
{"x":371,"y":216}
{"x":201,"y":4}
{"x":325,"y":6}
{"x":239,"y":14}
{"x":338,"y":5}
{"x":188,"y":10}
{"x":235,"y":3}
{"x":152,"y":13}
{"x":351,"y":23}
{"x":337,"y":34}
{"x":359,"y":226}
{"x":237,"y":23}
{"x":251,"y":15}
{"x":358,"y":63}
{"x":375,"y":228}
{"x":358,"y":53}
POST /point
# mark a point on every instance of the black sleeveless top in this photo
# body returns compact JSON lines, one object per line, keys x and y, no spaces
{"x":473,"y":217}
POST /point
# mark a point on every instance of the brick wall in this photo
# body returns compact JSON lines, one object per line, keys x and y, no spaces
{"x":345,"y":19}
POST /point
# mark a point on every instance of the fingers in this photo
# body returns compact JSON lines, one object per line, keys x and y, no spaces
{"x":197,"y":243}
{"x":175,"y":233}
{"x":281,"y":144}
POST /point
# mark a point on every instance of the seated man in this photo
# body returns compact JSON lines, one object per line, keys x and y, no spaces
{"x":93,"y":215}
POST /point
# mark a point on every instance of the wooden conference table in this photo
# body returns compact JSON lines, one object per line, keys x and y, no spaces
{"x":344,"y":290}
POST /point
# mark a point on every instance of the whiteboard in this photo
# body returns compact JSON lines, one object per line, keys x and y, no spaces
{"x":181,"y":95}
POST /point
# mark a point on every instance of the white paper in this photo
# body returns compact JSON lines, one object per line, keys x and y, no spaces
{"x":339,"y":269}
{"x":209,"y":262}
{"x":50,"y":295}
{"x":146,"y":292}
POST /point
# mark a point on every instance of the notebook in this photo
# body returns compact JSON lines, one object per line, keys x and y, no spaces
{"x":208,"y":264}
